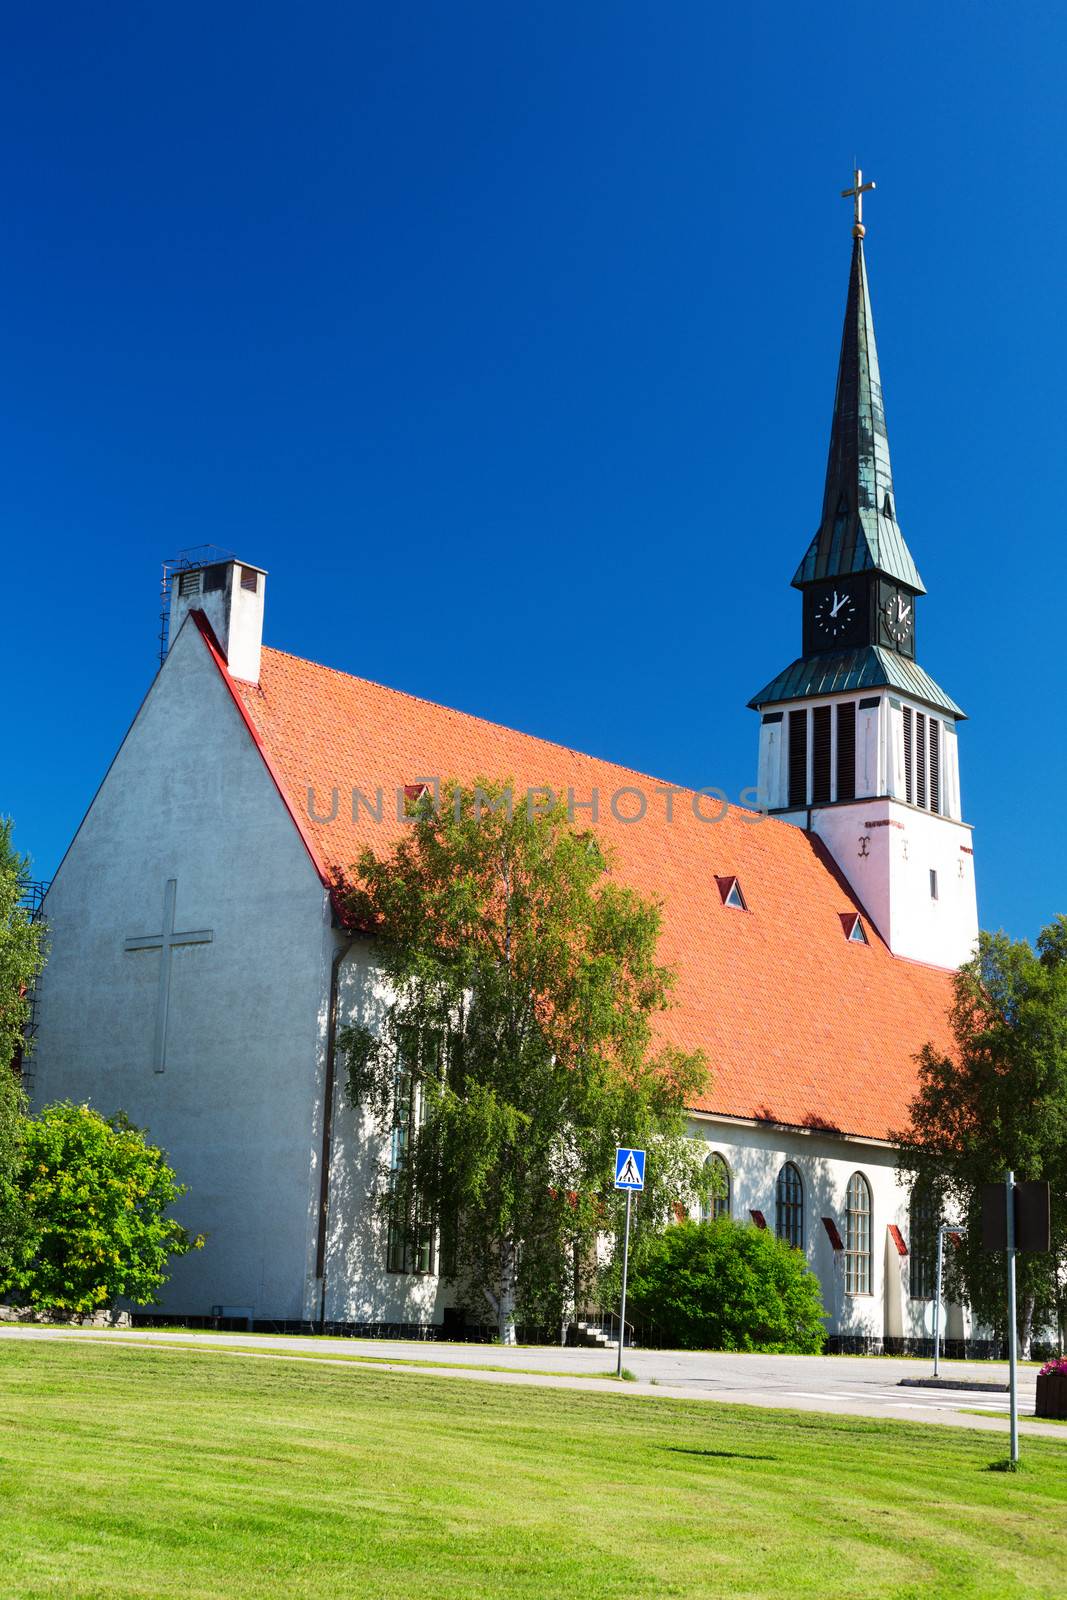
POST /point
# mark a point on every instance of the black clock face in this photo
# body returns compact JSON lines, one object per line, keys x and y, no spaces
{"x":835,"y":613}
{"x":898,"y":618}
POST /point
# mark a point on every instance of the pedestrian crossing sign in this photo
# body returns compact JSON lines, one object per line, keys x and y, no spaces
{"x":629,"y":1169}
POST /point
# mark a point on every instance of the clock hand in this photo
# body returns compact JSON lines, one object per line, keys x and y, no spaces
{"x":837,"y":603}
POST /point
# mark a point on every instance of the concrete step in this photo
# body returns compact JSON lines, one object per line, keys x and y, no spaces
{"x":589,"y":1337}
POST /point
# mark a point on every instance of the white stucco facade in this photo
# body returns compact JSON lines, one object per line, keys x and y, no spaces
{"x":261,"y":979}
{"x":755,"y":1155}
{"x":909,"y":860}
{"x":237,"y":1105}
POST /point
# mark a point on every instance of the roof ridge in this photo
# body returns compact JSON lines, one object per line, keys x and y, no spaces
{"x":519,"y":733}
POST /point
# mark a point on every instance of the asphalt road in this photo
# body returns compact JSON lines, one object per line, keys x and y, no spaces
{"x":848,"y":1385}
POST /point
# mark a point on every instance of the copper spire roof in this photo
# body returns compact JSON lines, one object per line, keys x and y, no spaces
{"x":859,"y":531}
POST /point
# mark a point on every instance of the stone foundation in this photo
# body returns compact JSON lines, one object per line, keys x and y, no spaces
{"x":70,"y":1319}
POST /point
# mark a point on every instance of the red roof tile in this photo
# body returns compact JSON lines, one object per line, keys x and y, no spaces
{"x":799,"y":1026}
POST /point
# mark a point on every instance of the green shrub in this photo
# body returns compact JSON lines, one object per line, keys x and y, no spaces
{"x":15,"y":1224}
{"x":727,"y":1285}
{"x":96,"y":1192}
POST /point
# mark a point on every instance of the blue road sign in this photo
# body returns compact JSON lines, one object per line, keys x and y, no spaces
{"x":629,"y":1169}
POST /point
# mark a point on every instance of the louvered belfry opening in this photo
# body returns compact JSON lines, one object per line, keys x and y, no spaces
{"x":798,"y":758}
{"x":920,"y":760}
{"x":909,"y":717}
{"x":820,"y":755}
{"x":846,"y":751}
{"x":935,"y":765}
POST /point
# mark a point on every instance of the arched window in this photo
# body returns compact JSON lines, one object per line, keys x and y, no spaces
{"x":858,"y":1235}
{"x":922,"y":1244}
{"x":789,"y":1206}
{"x":718,"y":1202}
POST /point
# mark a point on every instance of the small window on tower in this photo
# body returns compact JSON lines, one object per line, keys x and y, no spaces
{"x":730,"y":890}
{"x":189,"y":583}
{"x":250,"y":579}
{"x":933,"y":884}
{"x":887,"y":509}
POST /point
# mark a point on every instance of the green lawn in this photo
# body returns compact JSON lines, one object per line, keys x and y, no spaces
{"x":156,"y":1473}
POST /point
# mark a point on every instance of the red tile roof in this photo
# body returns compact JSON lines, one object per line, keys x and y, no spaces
{"x":800,"y":1026}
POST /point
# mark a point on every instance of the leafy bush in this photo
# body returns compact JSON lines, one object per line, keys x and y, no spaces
{"x":726,"y":1285}
{"x":96,"y":1192}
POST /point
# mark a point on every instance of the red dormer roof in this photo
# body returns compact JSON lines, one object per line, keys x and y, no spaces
{"x":796,"y":1029}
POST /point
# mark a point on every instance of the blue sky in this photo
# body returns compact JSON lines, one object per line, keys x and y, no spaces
{"x":505,"y":338}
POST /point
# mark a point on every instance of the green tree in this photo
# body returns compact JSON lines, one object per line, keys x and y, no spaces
{"x":97,"y":1192}
{"x":727,"y":1285}
{"x":999,"y":1102}
{"x":515,"y":1049}
{"x":21,"y":956}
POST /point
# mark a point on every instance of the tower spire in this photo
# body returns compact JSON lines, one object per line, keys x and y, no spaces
{"x":858,"y":531}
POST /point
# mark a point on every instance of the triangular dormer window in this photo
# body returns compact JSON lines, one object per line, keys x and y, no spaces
{"x":887,"y":509}
{"x":852,"y":923}
{"x":418,"y":799}
{"x":730,"y":890}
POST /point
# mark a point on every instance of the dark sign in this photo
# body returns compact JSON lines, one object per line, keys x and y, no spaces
{"x":1032,"y":1230}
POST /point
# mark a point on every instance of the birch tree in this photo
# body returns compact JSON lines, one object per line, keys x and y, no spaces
{"x":999,"y":1101}
{"x":516,"y":1051}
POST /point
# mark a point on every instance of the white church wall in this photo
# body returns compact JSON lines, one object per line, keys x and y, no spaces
{"x":755,"y":1155}
{"x":358,"y":1285}
{"x":188,"y":798}
{"x":887,"y":852}
{"x":771,"y":778}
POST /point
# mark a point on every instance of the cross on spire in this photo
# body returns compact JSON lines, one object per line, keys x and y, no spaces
{"x":855,"y":194}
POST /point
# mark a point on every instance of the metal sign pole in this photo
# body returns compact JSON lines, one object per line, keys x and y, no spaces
{"x":625,"y":1267}
{"x":937,"y":1297}
{"x":1013,"y":1388}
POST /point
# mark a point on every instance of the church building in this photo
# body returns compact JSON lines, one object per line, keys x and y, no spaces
{"x":199,"y":973}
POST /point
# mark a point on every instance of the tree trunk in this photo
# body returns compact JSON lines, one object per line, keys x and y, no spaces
{"x":505,"y":1309}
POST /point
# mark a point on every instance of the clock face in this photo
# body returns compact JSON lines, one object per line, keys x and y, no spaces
{"x":835,"y":613}
{"x":898,"y":618}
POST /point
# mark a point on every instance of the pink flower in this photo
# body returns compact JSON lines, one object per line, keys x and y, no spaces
{"x":1057,"y":1365}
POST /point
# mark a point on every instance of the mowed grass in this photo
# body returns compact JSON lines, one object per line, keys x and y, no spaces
{"x":131,"y":1472}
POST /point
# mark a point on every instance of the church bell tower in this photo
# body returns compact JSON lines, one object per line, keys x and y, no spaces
{"x":858,"y":744}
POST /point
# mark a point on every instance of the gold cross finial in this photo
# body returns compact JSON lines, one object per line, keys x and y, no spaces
{"x":856,"y":193}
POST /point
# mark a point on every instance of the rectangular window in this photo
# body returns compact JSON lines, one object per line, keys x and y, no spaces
{"x":933,"y":884}
{"x":920,"y":759}
{"x":189,"y":583}
{"x":909,"y":790}
{"x":935,"y":765}
{"x":798,"y":758}
{"x":846,"y":751}
{"x":922,"y":1269}
{"x":410,"y":1241}
{"x":250,"y":579}
{"x":410,"y":1245}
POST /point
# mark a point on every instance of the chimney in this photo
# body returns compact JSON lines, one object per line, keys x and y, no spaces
{"x":230,"y":594}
